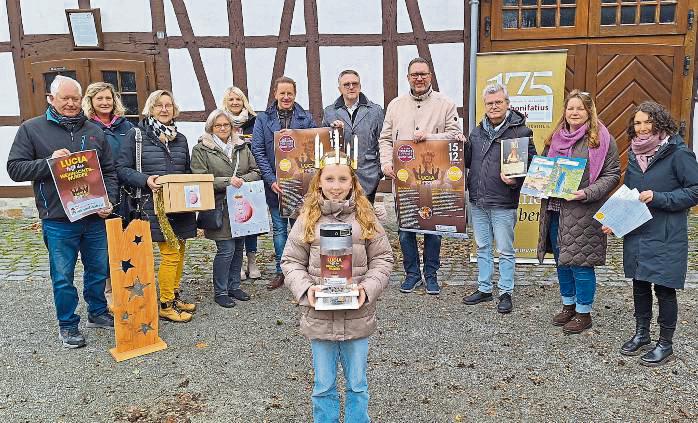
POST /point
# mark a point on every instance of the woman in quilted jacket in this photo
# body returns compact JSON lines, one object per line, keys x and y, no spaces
{"x":567,"y":227}
{"x":334,"y":196}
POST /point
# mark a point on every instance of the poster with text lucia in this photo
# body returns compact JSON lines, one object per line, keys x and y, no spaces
{"x":79,"y":182}
{"x":535,"y":81}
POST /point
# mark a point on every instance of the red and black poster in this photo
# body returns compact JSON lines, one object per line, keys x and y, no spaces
{"x":294,"y":150}
{"x":79,"y":182}
{"x":429,"y":187}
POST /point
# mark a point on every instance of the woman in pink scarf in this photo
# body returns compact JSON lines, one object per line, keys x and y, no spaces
{"x":567,"y":227}
{"x":665,"y":172}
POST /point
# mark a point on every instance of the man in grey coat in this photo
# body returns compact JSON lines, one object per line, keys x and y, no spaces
{"x":357,"y":115}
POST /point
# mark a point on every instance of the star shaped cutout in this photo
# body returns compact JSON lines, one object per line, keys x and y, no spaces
{"x":145,"y":328}
{"x":138,"y":239}
{"x":124,"y":316}
{"x":136,"y":290}
{"x":126,"y":264}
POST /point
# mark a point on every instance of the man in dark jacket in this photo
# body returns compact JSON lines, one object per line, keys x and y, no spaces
{"x":358,"y":116}
{"x":494,"y":197}
{"x":60,"y":132}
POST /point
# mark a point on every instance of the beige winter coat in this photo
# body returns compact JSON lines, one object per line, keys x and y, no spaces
{"x":431,"y":112}
{"x":372,"y":263}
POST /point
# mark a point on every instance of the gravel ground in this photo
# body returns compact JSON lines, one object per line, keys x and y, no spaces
{"x":432,"y":360}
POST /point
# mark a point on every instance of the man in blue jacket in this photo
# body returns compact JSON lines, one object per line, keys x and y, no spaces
{"x":62,"y":130}
{"x":494,"y":197}
{"x":358,"y":116}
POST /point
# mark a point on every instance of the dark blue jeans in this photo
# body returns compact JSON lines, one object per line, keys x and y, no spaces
{"x":251,"y":243}
{"x":64,"y":240}
{"x":410,"y":255}
{"x":577,"y":283}
{"x":227,"y":265}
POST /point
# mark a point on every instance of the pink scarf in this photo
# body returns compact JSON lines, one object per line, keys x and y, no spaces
{"x":108,"y":125}
{"x":644,"y":148}
{"x":563,"y":141}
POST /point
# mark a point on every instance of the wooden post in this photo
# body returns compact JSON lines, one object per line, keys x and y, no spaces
{"x":132,"y":270}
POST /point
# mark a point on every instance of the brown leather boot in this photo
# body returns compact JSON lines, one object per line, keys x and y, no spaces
{"x":277,"y":282}
{"x":578,"y":324}
{"x":567,"y":313}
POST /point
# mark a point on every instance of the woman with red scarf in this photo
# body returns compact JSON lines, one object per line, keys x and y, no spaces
{"x":665,"y":172}
{"x":567,"y":227}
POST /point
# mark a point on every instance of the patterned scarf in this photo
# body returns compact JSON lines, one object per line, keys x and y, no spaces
{"x":107,"y":125}
{"x":563,"y":142}
{"x":68,"y":122}
{"x":165,"y":133}
{"x":240,"y":119}
{"x":646,"y":147}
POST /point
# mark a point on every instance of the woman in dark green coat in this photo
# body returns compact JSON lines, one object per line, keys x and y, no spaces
{"x":227,"y":156}
{"x":665,"y":172}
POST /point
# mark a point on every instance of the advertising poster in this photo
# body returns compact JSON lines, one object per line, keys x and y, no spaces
{"x":295,"y":164}
{"x":430,"y":187}
{"x":535,"y":81}
{"x":247,"y":209}
{"x":514,"y":157}
{"x":79,"y":183}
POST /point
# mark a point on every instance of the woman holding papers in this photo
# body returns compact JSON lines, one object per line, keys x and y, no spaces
{"x":665,"y":172}
{"x":227,"y":156}
{"x":567,"y":227}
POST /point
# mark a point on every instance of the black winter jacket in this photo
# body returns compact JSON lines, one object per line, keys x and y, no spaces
{"x":482,"y":157}
{"x":36,"y":140}
{"x":157,"y":159}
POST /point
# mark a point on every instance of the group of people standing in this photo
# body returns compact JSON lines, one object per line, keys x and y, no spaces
{"x":237,"y":146}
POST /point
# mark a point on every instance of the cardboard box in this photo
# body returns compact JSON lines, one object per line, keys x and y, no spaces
{"x":187,"y":192}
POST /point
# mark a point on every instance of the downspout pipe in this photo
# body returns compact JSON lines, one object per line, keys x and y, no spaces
{"x":474,"y":31}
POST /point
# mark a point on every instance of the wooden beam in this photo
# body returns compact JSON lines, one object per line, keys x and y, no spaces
{"x":236,"y":39}
{"x":420,"y":37}
{"x":464,"y":111}
{"x":84,"y":4}
{"x":5,"y":47}
{"x":282,"y":45}
{"x":10,"y":120}
{"x":163,"y":78}
{"x":22,"y":191}
{"x":14,"y":18}
{"x":389,"y":42}
{"x":187,"y":31}
{"x":312,"y":55}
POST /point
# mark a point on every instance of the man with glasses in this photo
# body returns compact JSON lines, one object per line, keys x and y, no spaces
{"x":494,"y":197}
{"x":357,"y":115}
{"x":416,"y":116}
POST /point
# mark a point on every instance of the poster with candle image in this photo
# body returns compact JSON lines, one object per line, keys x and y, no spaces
{"x":79,"y":182}
{"x":429,"y":187}
{"x":295,"y":153}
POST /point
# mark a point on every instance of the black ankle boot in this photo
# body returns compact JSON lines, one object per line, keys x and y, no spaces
{"x":641,"y":338}
{"x":662,"y":352}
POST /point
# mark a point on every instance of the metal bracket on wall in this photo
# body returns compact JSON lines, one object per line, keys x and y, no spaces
{"x":488,"y":26}
{"x":682,"y":128}
{"x":686,"y":65}
{"x":691,"y":18}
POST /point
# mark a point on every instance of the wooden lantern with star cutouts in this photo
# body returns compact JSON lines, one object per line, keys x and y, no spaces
{"x":135,"y":302}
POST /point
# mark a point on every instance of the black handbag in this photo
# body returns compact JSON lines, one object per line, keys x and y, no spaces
{"x":210,"y":219}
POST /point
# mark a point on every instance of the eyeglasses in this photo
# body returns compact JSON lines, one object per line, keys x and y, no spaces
{"x":222,"y":126}
{"x":497,"y":103}
{"x":351,"y":84}
{"x":164,"y":106}
{"x":423,"y":75}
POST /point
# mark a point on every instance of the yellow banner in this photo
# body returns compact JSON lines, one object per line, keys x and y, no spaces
{"x":535,"y":81}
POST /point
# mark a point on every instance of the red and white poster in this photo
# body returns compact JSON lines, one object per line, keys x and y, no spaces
{"x":79,"y":182}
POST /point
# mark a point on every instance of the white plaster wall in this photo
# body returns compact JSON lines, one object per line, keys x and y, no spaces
{"x":367,"y":61}
{"x":4,"y":24}
{"x":9,"y":106}
{"x":7,"y":136}
{"x":349,"y":17}
{"x":404,"y":55}
{"x":171,"y":24}
{"x":297,"y":69}
{"x":262,"y":19}
{"x":448,"y":65}
{"x":185,"y":86}
{"x":137,"y":19}
{"x":298,"y":23}
{"x":208,"y":17}
{"x":219,"y":70}
{"x":46,"y":16}
{"x":442,"y":15}
{"x":191,"y":130}
{"x":403,"y":18}
{"x":260,"y":65}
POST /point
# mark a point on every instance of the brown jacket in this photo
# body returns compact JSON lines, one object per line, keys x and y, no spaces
{"x":431,"y":112}
{"x":372,"y":263}
{"x":580,"y":238}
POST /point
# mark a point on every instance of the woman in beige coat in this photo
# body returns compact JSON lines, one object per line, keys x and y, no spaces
{"x":335,"y":196}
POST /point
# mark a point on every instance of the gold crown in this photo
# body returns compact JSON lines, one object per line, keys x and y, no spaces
{"x":323,"y":159}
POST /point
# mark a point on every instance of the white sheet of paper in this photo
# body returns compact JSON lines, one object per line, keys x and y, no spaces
{"x":623,"y":212}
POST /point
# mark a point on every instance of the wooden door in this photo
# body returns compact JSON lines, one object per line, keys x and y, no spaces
{"x":622,"y":76}
{"x":42,"y":73}
{"x":129,"y":77}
